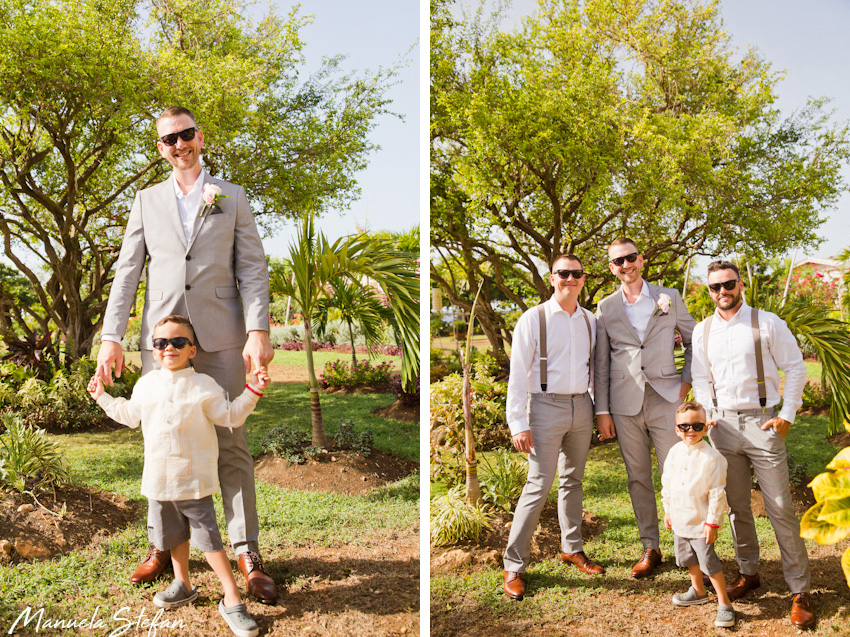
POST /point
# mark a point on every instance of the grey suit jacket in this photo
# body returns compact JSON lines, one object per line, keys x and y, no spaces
{"x":219,"y":279}
{"x":624,"y":363}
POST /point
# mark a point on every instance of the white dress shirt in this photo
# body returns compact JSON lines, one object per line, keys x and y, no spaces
{"x":732,"y":353}
{"x":693,"y":488}
{"x":178,"y":412}
{"x":568,"y":350}
{"x":640,"y":311}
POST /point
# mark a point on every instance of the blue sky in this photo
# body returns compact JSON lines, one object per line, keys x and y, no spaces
{"x":810,"y":42}
{"x":371,"y":34}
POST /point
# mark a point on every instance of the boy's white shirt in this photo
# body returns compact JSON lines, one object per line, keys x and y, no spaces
{"x":178,"y":411}
{"x":694,"y":488}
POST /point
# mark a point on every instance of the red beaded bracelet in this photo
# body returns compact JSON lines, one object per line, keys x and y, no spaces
{"x":713,"y":526}
{"x":252,"y":390}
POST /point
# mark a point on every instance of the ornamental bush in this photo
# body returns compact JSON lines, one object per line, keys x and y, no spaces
{"x":455,"y":520}
{"x":29,"y":461}
{"x":815,"y":395}
{"x":340,"y":373}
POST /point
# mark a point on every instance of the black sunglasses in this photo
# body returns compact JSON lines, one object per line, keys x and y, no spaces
{"x":178,"y":342}
{"x":726,"y":285}
{"x":186,"y":135}
{"x":631,"y":258}
{"x":565,"y":274}
{"x":696,"y":426}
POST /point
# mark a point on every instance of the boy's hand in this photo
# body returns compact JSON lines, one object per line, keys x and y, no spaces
{"x":95,"y":387}
{"x":260,"y":378}
{"x":710,"y":534}
{"x":667,"y":523}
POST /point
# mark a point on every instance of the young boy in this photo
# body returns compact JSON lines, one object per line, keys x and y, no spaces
{"x":694,"y":498}
{"x":178,"y":409}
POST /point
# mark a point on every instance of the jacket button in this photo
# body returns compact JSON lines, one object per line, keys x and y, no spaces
{"x":642,"y":367}
{"x":189,"y":287}
{"x":188,"y":257}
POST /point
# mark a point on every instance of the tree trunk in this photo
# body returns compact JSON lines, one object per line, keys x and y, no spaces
{"x":320,"y":439}
{"x":473,"y":487}
{"x":351,"y":339}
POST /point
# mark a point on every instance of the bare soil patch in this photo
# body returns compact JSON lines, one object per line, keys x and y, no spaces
{"x":89,"y":516}
{"x":344,"y":472}
{"x":398,"y":411}
{"x":840,"y":440}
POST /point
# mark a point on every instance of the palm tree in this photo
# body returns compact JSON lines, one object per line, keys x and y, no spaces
{"x":315,"y":263}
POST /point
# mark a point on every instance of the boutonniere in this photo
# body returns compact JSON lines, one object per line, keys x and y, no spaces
{"x":663,"y":305}
{"x":211,"y":196}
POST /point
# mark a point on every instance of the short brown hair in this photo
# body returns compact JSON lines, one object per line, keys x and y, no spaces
{"x":177,"y":111}
{"x":690,"y":405}
{"x":718,"y":265}
{"x":570,"y":256}
{"x":180,"y":320}
{"x":622,"y":241}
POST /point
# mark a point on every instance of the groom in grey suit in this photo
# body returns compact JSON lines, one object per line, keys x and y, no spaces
{"x":637,"y":387}
{"x":204,"y":261}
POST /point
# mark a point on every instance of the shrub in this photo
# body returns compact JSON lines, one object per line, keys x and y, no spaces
{"x":311,"y":453}
{"x":133,"y":336}
{"x":454,"y":520}
{"x":364,"y":444}
{"x":406,"y":398}
{"x":277,"y":336}
{"x":505,"y":477}
{"x":345,"y":438}
{"x":29,"y":461}
{"x":815,"y":395}
{"x":285,"y":442}
{"x":340,"y":373}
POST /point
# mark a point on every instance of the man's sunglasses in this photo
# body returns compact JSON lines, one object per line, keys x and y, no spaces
{"x":178,"y":342}
{"x":631,"y":258}
{"x":696,"y":426}
{"x":565,"y":274}
{"x":726,"y":285}
{"x":186,"y":135}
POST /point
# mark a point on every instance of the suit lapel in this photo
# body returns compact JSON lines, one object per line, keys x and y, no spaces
{"x":653,"y":294}
{"x":620,"y":313}
{"x":169,"y":202}
{"x":199,"y":221}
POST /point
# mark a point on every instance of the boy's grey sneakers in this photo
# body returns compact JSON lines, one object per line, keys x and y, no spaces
{"x":239,"y":620}
{"x":689,"y":599}
{"x":175,"y":595}
{"x":725,"y":617}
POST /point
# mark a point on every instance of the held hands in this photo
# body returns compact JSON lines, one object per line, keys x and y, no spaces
{"x":684,"y":389}
{"x":667,"y":523}
{"x":110,"y":355}
{"x":260,"y":378}
{"x":95,"y":388}
{"x":710,"y":534}
{"x":782,"y":426}
{"x":605,"y":425}
{"x":258,"y":351}
{"x":522,"y":442}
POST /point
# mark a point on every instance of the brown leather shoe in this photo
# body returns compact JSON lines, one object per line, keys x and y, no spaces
{"x":802,"y":610}
{"x":514,"y":586}
{"x":648,"y":561}
{"x":743,"y":584}
{"x":153,"y":566}
{"x":260,"y":583}
{"x":584,"y":565}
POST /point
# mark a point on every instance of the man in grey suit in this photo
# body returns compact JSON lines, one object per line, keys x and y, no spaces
{"x":205,"y":261}
{"x":637,"y":387}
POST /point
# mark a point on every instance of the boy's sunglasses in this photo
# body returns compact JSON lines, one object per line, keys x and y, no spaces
{"x":696,"y":426}
{"x":726,"y":285}
{"x":565,"y":274}
{"x":186,"y":135}
{"x":178,"y":342}
{"x":631,"y":258}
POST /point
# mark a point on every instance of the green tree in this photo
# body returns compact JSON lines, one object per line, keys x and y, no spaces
{"x":600,"y":118}
{"x":315,"y":263}
{"x":81,"y":84}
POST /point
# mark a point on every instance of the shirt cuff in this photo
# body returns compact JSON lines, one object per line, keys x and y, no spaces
{"x":603,"y":413}
{"x":518,"y":427}
{"x":109,"y":337}
{"x":104,"y":400}
{"x":788,"y":414}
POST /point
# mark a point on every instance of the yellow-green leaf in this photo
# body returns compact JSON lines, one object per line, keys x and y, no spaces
{"x":831,"y":486}
{"x":836,"y":512}
{"x":841,"y":460}
{"x":845,"y":565}
{"x":811,"y":528}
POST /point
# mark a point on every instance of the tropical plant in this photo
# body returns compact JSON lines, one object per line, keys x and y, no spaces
{"x":473,"y":486}
{"x":454,"y":519}
{"x":828,"y":521}
{"x":285,"y":442}
{"x":33,"y":353}
{"x":315,"y":262}
{"x":504,"y":479}
{"x":29,"y":461}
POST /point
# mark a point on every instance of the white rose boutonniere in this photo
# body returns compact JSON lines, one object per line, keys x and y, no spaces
{"x":211,"y":196}
{"x":664,"y":301}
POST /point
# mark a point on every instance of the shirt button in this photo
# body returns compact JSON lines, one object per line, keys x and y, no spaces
{"x":641,"y":346}
{"x":641,"y":367}
{"x":189,"y":287}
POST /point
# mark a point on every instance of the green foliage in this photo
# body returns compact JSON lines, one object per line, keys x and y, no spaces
{"x":133,"y":336}
{"x":364,"y":444}
{"x":455,"y":520}
{"x":311,"y":453}
{"x":358,"y":308}
{"x":340,"y":373}
{"x":814,"y":395}
{"x":29,"y":461}
{"x":444,"y":363}
{"x":285,"y":442}
{"x":346,"y":438}
{"x":504,"y":479}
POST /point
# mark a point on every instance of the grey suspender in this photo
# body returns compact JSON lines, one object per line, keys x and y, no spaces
{"x":759,"y":360}
{"x":541,"y":315}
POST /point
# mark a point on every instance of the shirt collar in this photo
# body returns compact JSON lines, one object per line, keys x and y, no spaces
{"x":644,"y":291}
{"x":554,"y":306}
{"x":744,"y":310}
{"x":180,"y":373}
{"x":199,"y":183}
{"x":697,"y":446}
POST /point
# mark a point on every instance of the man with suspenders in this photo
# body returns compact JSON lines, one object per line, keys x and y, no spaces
{"x":738,"y":352}
{"x":550,"y":414}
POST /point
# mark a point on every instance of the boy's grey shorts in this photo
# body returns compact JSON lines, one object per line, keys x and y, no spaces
{"x":172,"y":523}
{"x":690,"y":551}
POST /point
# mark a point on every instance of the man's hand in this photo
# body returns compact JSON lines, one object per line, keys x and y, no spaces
{"x":683,"y":391}
{"x":667,"y":523}
{"x":260,"y":378}
{"x":95,"y":387}
{"x":110,"y":354}
{"x":258,"y":350}
{"x":605,"y":425}
{"x":782,"y":426}
{"x":710,"y":534}
{"x":523,"y":442}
